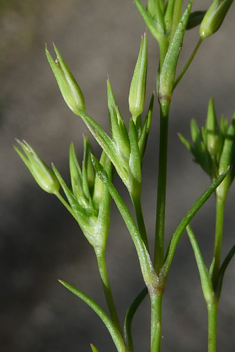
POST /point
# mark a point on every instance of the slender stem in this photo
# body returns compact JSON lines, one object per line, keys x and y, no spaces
{"x":220,"y":203}
{"x":163,"y":46}
{"x":156,"y":317}
{"x":161,"y":195}
{"x":188,"y":63}
{"x":212,"y":310}
{"x":67,"y":206}
{"x":100,"y":255}
{"x":140,"y":220}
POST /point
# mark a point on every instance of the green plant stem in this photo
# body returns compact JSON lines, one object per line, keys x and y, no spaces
{"x":140,"y":220}
{"x":67,"y":206}
{"x":163,"y":46}
{"x":178,"y":79}
{"x":100,"y":255}
{"x":156,"y":317}
{"x":212,"y":310}
{"x":161,"y":194}
{"x":220,"y":204}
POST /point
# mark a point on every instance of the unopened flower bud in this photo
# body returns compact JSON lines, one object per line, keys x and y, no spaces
{"x":138,"y":83}
{"x":212,"y":130}
{"x":69,"y":88}
{"x":42,"y":174}
{"x":214,"y":17}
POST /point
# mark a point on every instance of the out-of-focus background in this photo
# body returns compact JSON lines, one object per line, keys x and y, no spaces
{"x":39,"y":240}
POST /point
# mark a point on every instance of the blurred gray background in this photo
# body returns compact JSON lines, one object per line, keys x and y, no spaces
{"x":39,"y":240}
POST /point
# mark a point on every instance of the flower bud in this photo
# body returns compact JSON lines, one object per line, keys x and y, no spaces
{"x":87,"y":168}
{"x":138,"y":84}
{"x":94,"y":349}
{"x":212,"y":130}
{"x":42,"y":174}
{"x":214,"y":17}
{"x":69,"y":88}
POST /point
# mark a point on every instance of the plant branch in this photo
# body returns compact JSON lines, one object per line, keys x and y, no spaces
{"x":178,"y":79}
{"x":100,"y":255}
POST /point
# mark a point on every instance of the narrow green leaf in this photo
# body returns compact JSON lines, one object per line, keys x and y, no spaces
{"x":142,"y":142}
{"x":225,"y":160}
{"x":97,"y":131}
{"x":211,"y":269}
{"x":169,"y":16}
{"x":134,"y":162}
{"x":119,"y":133}
{"x":206,"y":284}
{"x":195,"y":132}
{"x":88,"y":172}
{"x":222,"y":270}
{"x":107,"y":145}
{"x":130,"y":316}
{"x":186,"y":220}
{"x":176,"y":17}
{"x":156,"y":11}
{"x":75,"y":173}
{"x":115,"y":334}
{"x":71,"y":199}
{"x":110,"y":95}
{"x":186,"y":143}
{"x":167,"y":74}
{"x":86,"y":217}
{"x":154,"y":28}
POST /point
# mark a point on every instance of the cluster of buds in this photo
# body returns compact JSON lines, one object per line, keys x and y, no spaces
{"x":88,"y":199}
{"x":124,"y":148}
{"x":164,"y":21}
{"x":163,"y":17}
{"x":213,"y":147}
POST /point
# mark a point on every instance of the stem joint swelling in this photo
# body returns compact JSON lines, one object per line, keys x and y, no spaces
{"x":157,"y":288}
{"x":164,"y":99}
